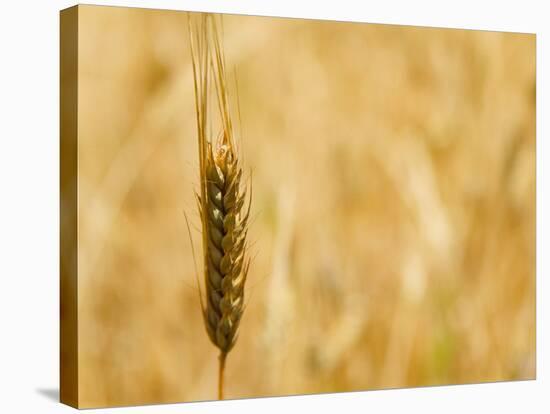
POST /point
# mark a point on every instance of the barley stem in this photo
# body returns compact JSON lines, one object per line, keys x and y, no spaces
{"x":222,"y":358}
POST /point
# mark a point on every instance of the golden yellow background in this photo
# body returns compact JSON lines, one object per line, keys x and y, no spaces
{"x":393,"y":228}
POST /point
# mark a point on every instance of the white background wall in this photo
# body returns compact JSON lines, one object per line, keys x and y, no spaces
{"x":29,"y":240}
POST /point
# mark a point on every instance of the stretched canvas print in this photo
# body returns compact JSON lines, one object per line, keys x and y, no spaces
{"x":260,"y":206}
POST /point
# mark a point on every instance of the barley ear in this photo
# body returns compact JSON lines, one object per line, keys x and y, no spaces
{"x":222,"y":197}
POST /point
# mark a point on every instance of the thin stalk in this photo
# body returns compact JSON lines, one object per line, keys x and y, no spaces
{"x":222,"y":358}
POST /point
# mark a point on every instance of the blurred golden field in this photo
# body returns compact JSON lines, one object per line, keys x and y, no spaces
{"x":393,"y":231}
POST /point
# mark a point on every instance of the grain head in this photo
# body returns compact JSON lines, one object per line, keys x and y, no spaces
{"x":222,"y":196}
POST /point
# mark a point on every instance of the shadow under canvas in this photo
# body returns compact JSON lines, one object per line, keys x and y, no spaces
{"x":51,"y":394}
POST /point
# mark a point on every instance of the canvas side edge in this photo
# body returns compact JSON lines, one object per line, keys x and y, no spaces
{"x":68,"y":264}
